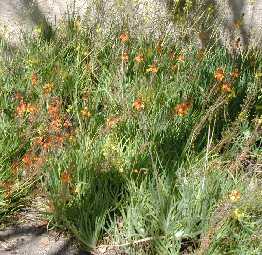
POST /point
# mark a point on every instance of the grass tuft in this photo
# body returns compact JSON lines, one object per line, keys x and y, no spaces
{"x":141,"y":146}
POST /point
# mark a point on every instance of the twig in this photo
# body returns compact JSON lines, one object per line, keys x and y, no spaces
{"x":144,"y":240}
{"x":198,"y":127}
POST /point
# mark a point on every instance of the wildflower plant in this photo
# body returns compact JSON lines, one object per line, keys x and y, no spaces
{"x":137,"y":143}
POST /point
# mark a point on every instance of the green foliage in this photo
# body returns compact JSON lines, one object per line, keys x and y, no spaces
{"x":139,"y":152}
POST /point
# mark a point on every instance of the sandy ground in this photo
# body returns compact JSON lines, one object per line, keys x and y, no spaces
{"x":238,"y":18}
{"x":29,"y":236}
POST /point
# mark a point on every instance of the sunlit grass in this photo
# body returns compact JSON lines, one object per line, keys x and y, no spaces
{"x":139,"y":144}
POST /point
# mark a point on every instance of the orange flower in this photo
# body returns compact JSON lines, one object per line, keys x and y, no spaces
{"x":48,"y":88}
{"x":21,"y":108}
{"x":234,"y":195}
{"x":182,"y":109}
{"x":139,"y":58}
{"x":32,"y":109}
{"x":124,"y":37}
{"x":235,"y":74}
{"x":56,"y":125}
{"x":112,"y":121}
{"x":67,"y":123}
{"x":54,"y":109}
{"x":226,"y":87}
{"x":219,"y":74}
{"x":59,"y":140}
{"x":47,"y":143}
{"x":152,"y":69}
{"x":39,"y":141}
{"x":27,"y":159}
{"x":85,"y":113}
{"x":65,"y":177}
{"x":125,"y":57}
{"x":138,"y":104}
{"x":34,"y":79}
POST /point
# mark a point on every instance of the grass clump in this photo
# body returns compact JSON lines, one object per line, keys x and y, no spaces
{"x":141,"y":146}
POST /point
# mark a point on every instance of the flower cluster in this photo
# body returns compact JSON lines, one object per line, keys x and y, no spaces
{"x":182,"y":109}
{"x":56,"y":131}
{"x":226,"y":84}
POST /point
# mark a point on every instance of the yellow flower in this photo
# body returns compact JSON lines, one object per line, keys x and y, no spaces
{"x":238,"y":214}
{"x":258,"y":75}
{"x":234,"y":195}
{"x":71,"y":138}
{"x":32,"y":61}
{"x":85,"y":113}
{"x":37,"y":30}
{"x":48,"y":88}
